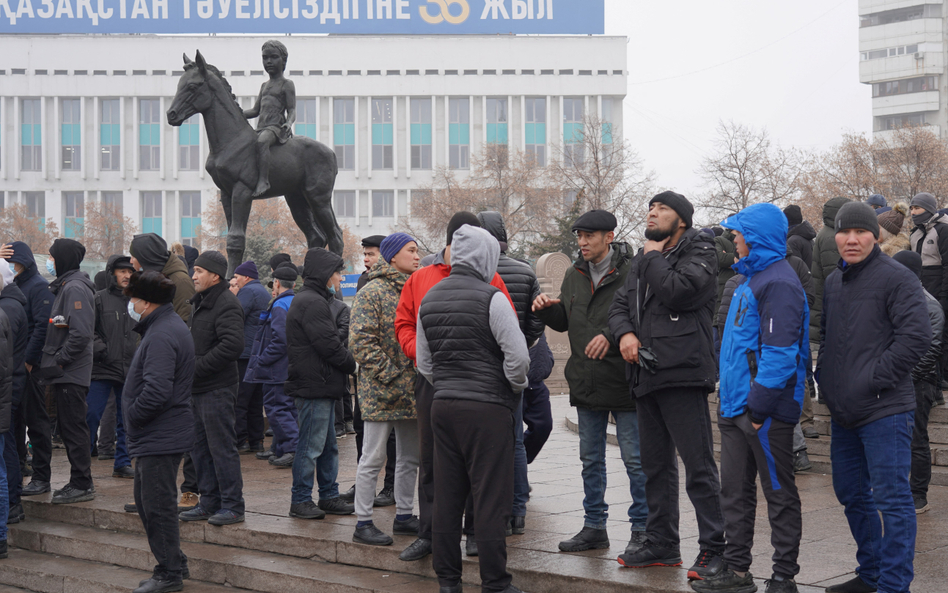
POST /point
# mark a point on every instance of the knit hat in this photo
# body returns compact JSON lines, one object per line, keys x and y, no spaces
{"x":910,"y":260}
{"x":393,"y":244}
{"x":279,"y":259}
{"x":678,"y":203}
{"x":925,"y":200}
{"x":857,"y":215}
{"x":793,"y":214}
{"x":373,"y":241}
{"x":248,"y":269}
{"x":877,"y":200}
{"x":460,"y":219}
{"x":286,"y":272}
{"x":892,"y":220}
{"x":214,"y":262}
{"x":150,"y":286}
{"x":595,"y":220}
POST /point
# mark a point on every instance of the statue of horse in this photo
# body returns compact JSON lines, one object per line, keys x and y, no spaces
{"x":302,"y":170}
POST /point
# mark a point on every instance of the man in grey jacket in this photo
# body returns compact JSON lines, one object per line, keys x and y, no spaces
{"x":472,"y":412}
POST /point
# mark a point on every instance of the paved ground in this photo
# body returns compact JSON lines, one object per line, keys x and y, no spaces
{"x":555,"y":513}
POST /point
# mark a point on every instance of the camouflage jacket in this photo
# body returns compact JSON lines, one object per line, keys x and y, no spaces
{"x":386,"y":375}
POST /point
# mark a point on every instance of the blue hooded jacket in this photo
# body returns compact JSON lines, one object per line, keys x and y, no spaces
{"x":765,"y":347}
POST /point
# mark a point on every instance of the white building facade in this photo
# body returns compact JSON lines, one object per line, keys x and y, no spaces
{"x":82,"y":118}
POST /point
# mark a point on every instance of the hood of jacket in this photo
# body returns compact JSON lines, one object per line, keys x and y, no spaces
{"x":477,"y":249}
{"x":387,"y":272}
{"x":13,"y":292}
{"x":190,"y":255}
{"x":804,"y":229}
{"x":110,"y":270}
{"x":23,"y":255}
{"x":173,"y":264}
{"x":151,"y":251}
{"x":830,"y":208}
{"x":764,"y":227}
{"x":71,"y":275}
{"x":318,"y":266}
{"x":67,"y":254}
{"x":493,"y":223}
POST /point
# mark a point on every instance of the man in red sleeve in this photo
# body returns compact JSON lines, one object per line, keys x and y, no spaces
{"x":406,"y":319}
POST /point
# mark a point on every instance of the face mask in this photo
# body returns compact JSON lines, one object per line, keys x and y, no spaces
{"x":13,"y":269}
{"x":50,"y":267}
{"x":331,"y":289}
{"x":132,"y":313}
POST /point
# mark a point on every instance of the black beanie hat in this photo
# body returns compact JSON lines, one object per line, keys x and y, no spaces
{"x":857,"y":215}
{"x":67,"y":254}
{"x":150,"y":286}
{"x":910,"y":260}
{"x":460,"y":219}
{"x":279,"y":259}
{"x":678,"y":203}
{"x":793,"y":214}
{"x":214,"y":262}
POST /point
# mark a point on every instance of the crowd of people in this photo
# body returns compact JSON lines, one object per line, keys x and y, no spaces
{"x":166,"y":359}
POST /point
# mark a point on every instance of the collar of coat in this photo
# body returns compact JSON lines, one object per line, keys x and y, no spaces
{"x":207,"y":298}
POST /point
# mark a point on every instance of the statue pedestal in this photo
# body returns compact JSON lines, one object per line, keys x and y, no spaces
{"x":551,"y":268}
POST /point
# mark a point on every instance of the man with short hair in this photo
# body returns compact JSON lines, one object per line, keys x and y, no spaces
{"x":872,"y":336}
{"x":370,"y":255}
{"x":254,"y":300}
{"x":597,"y":376}
{"x":217,"y":326}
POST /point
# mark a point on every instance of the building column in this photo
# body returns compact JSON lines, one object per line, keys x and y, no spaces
{"x":407,"y":138}
{"x":136,"y":105}
{"x":97,"y":137}
{"x":83,"y":124}
{"x":395,"y":136}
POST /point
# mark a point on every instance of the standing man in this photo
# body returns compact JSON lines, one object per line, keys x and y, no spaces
{"x":150,"y":252}
{"x":12,"y":302}
{"x":873,"y":335}
{"x":217,"y":327}
{"x":370,"y":255}
{"x":66,"y":365}
{"x":113,"y":350}
{"x":764,"y":356}
{"x":254,"y":300}
{"x":661,"y":319}
{"x":596,"y":375}
{"x":7,"y":339}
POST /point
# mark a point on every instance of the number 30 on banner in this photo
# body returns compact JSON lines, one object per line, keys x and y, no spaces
{"x":444,"y":14}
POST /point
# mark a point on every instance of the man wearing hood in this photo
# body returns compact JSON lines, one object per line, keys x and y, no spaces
{"x":190,"y":256}
{"x":930,"y":240}
{"x":317,"y":371}
{"x":825,"y":260}
{"x":150,"y":252}
{"x":877,"y":201}
{"x":33,"y":412}
{"x":470,"y":347}
{"x":114,"y":346}
{"x":7,"y":340}
{"x":254,"y":300}
{"x":13,"y":303}
{"x":763,"y":367}
{"x":66,"y":365}
{"x":800,"y":234}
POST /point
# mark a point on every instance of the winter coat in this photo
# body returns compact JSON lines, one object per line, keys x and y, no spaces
{"x":927,"y":368}
{"x":7,"y":339}
{"x":190,"y":256}
{"x":800,"y":242}
{"x":39,"y":300}
{"x":217,"y":327}
{"x":13,"y":303}
{"x":254,"y":299}
{"x":895,"y":243}
{"x":765,"y":346}
{"x":318,"y":362}
{"x":156,"y":400}
{"x":67,"y":353}
{"x":584,"y":313}
{"x":363,"y":279}
{"x":872,"y":337}
{"x":115,"y":341}
{"x":930,"y":240}
{"x":726,"y":254}
{"x":825,"y":260}
{"x":268,"y":358}
{"x":152,"y":253}
{"x":386,"y":375}
{"x":177,"y":272}
{"x":541,"y":362}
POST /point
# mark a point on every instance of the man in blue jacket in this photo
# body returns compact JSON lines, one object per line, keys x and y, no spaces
{"x":254,"y":299}
{"x":763,"y":361}
{"x":874,"y":331}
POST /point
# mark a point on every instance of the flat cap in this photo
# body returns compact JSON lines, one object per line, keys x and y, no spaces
{"x":286,"y":272}
{"x":595,"y":220}
{"x":373,"y":241}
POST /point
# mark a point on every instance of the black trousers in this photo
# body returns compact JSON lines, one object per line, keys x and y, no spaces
{"x":921,"y":450}
{"x":10,"y":454}
{"x":248,"y":411}
{"x":424,"y":395}
{"x":747,"y":453}
{"x":671,"y":419}
{"x":74,"y":430}
{"x":473,"y":454}
{"x":38,"y":425}
{"x":215,"y":451}
{"x":190,"y":483}
{"x":344,"y":411}
{"x":357,"y":424}
{"x":156,"y":499}
{"x":538,"y":417}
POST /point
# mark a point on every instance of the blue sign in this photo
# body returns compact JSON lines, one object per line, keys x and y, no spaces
{"x":349,"y":283}
{"x":367,"y":17}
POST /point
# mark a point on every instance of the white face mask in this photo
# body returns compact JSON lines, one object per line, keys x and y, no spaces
{"x":132,"y":313}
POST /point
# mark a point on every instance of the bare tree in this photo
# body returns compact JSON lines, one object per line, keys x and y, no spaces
{"x":16,"y":224}
{"x":105,"y":231}
{"x":913,"y":160}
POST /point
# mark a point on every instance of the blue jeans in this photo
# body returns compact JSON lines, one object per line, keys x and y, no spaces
{"x":871,"y":466}
{"x":316,"y":418}
{"x":96,"y":400}
{"x":592,"y":452}
{"x":4,"y":495}
{"x":521,"y":483}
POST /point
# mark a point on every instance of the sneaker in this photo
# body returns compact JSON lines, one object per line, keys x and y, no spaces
{"x":518,"y":525}
{"x":155,"y":585}
{"x":587,"y":539}
{"x":16,"y":514}
{"x":921,"y":504}
{"x":708,"y":565}
{"x":188,"y":501}
{"x":185,"y":575}
{"x":409,"y":527}
{"x":70,"y":494}
{"x":336,"y":506}
{"x":264,"y":455}
{"x":854,"y":585}
{"x":651,"y":554}
{"x":470,"y":547}
{"x":341,"y":432}
{"x":35,"y":487}
{"x":371,"y":535}
{"x":285,"y":461}
{"x":801,"y":462}
{"x":306,"y":510}
{"x":726,"y":582}
{"x":349,"y":428}
{"x":636,"y":542}
{"x":226,"y":517}
{"x":106,"y":455}
{"x":810,"y":432}
{"x":125,"y":471}
{"x":386,"y":498}
{"x":195,"y":514}
{"x":780,"y":585}
{"x":349,"y":495}
{"x":269,"y":432}
{"x":416,"y":551}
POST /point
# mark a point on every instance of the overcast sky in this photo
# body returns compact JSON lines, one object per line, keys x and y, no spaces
{"x":789,"y":67}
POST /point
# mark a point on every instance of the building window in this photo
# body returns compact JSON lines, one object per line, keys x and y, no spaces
{"x":888,"y":52}
{"x":459,"y":133}
{"x":382,"y":134}
{"x":900,"y":15}
{"x":151,"y":212}
{"x":573,"y":130}
{"x":894,"y":122}
{"x":189,"y":144}
{"x":110,"y":134}
{"x":902,"y":87}
{"x":31,"y":136}
{"x":535,"y":129}
{"x":421,"y":133}
{"x":74,"y":213}
{"x":149,"y":135}
{"x":36,"y":207}
{"x":344,"y":203}
{"x":305,"y":118}
{"x":190,"y":217}
{"x":497,"y":121}
{"x":112,"y":201}
{"x":71,"y":130}
{"x":343,"y":133}
{"x":383,"y":203}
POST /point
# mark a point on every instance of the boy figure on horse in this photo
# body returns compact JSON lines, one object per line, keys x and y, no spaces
{"x":275,"y":110}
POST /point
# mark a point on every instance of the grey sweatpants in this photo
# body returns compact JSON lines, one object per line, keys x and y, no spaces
{"x":374,"y":443}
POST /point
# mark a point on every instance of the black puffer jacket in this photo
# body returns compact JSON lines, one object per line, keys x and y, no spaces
{"x":13,"y":303}
{"x":668,"y":302}
{"x":254,"y":300}
{"x":319,"y":363}
{"x":800,"y":242}
{"x":115,"y":340}
{"x":825,"y":260}
{"x":67,"y":353}
{"x":217,"y":326}
{"x":518,"y":276}
{"x":727,"y":256}
{"x":927,"y":368}
{"x":6,"y":371}
{"x":39,"y":300}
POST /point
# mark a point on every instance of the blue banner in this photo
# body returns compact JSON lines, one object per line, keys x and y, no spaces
{"x":368,"y":17}
{"x":349,"y":283}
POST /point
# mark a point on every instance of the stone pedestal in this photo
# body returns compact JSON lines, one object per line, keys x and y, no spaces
{"x":551,"y":268}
